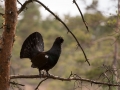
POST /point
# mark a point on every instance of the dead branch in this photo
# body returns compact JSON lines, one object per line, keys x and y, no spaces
{"x":19,"y":2}
{"x":71,"y":78}
{"x":101,"y":56}
{"x":105,"y":38}
{"x":108,"y":73}
{"x":74,"y":1}
{"x":14,"y":83}
{"x":24,"y":6}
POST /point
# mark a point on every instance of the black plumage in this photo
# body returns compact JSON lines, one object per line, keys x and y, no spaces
{"x":33,"y":48}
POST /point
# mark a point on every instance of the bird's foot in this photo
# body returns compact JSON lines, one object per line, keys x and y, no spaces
{"x":48,"y":74}
{"x":41,"y":73}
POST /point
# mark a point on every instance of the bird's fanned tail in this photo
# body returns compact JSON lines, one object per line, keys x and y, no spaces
{"x":32,"y":45}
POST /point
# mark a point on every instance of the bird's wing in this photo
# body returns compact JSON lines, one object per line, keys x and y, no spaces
{"x":40,"y":60}
{"x":32,"y":45}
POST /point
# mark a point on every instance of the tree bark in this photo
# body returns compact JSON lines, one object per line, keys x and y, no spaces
{"x":7,"y":41}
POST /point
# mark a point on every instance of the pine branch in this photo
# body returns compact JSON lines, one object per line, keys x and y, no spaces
{"x":19,"y":2}
{"x":14,"y":83}
{"x":23,"y":6}
{"x":72,"y":77}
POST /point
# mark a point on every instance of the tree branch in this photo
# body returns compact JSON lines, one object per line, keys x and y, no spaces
{"x":72,"y":77}
{"x":29,"y":1}
{"x":19,"y":2}
{"x":14,"y":83}
{"x":74,"y":1}
{"x":105,"y":38}
{"x":24,"y":6}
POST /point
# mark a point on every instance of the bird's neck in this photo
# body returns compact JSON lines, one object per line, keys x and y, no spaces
{"x":55,"y":49}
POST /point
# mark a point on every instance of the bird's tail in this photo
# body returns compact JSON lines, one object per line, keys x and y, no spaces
{"x":32,"y":45}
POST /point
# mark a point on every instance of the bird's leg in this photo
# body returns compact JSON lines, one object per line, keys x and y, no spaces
{"x":48,"y":74}
{"x":43,"y":72}
{"x":40,"y":74}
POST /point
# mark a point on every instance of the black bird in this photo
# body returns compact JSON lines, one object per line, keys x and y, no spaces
{"x":33,"y":48}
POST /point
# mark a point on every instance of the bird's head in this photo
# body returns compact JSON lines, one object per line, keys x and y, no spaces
{"x":59,"y":40}
{"x":56,"y":48}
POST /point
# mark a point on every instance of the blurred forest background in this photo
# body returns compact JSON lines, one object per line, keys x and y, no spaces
{"x":99,"y":45}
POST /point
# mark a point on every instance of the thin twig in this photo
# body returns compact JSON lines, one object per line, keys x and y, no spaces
{"x":62,"y":79}
{"x":107,"y":77}
{"x":19,"y":2}
{"x":27,"y":2}
{"x":14,"y":83}
{"x":24,"y":6}
{"x":74,"y":1}
{"x":40,"y":83}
